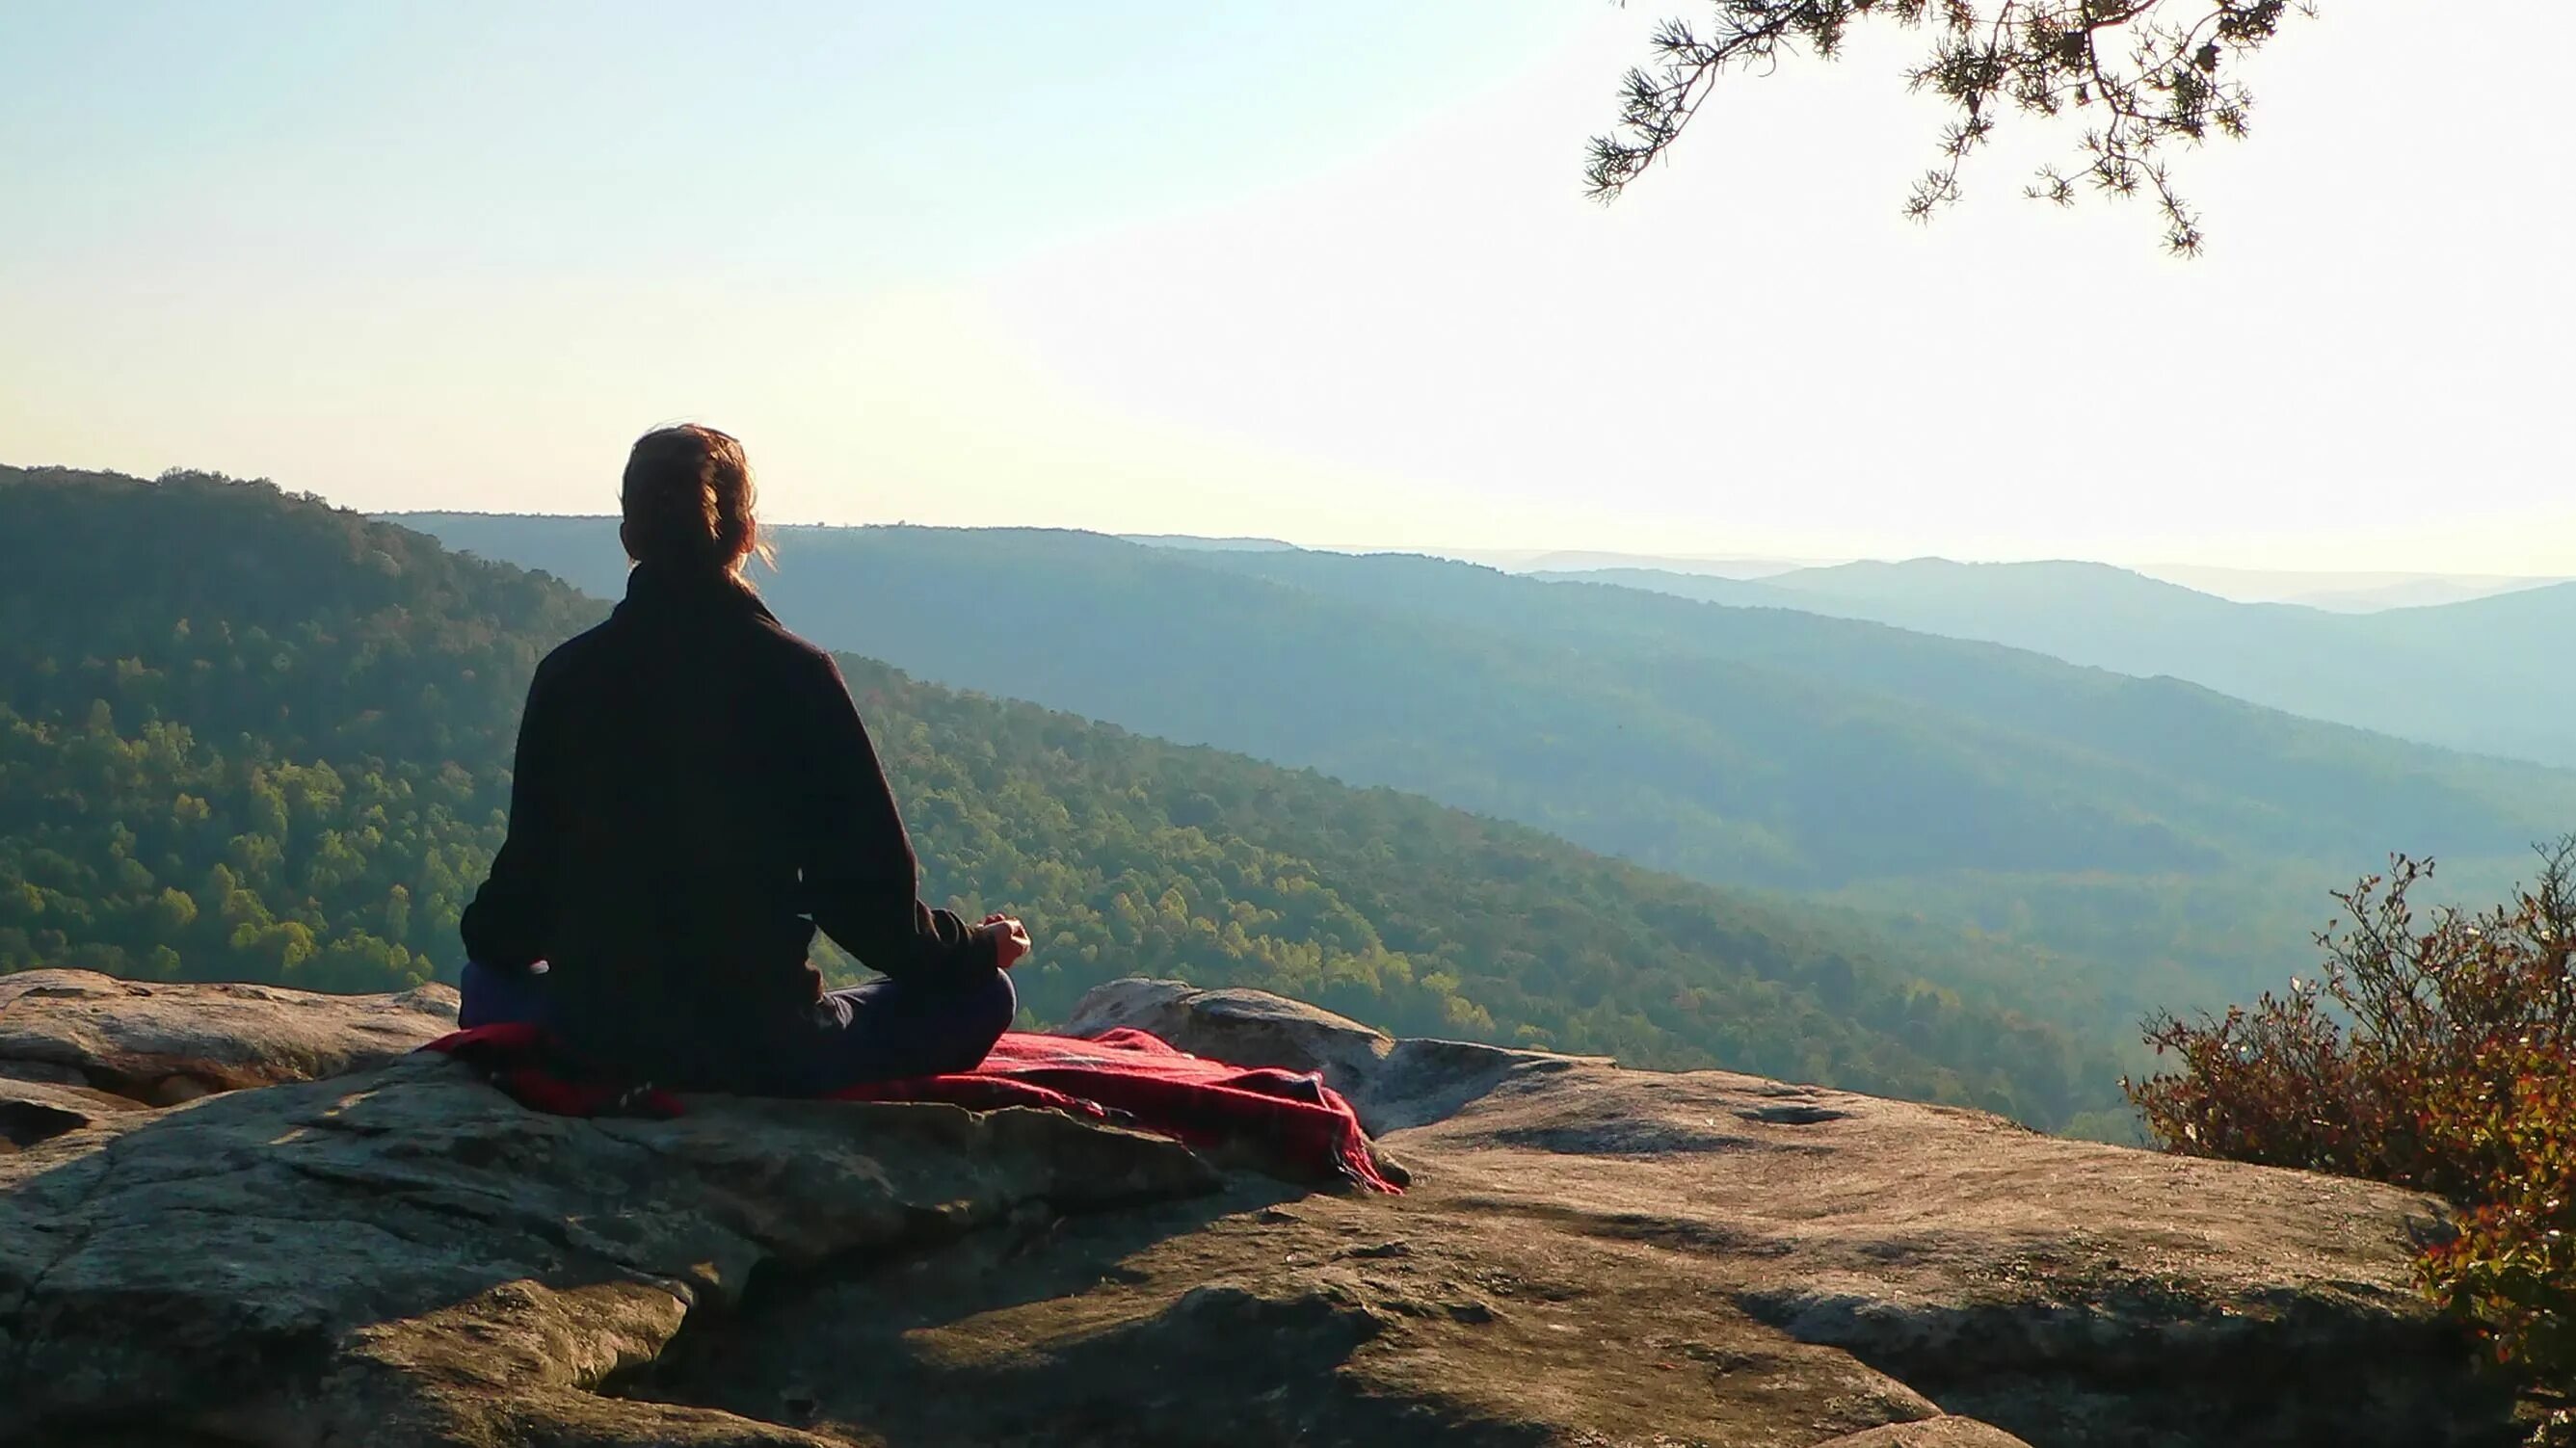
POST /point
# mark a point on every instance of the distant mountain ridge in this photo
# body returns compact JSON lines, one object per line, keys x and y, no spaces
{"x":2477,"y":675}
{"x":1700,"y":566}
{"x":2167,"y":843}
{"x":2342,"y":592}
{"x":1195,"y":542}
{"x":1514,"y":560}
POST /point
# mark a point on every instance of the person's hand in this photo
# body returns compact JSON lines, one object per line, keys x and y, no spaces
{"x":1010,"y":940}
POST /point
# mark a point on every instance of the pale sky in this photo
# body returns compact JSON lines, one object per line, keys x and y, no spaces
{"x":1319,"y":271}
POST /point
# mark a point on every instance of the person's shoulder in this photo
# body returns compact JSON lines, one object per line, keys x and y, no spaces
{"x":576,"y":653}
{"x":793,"y":652}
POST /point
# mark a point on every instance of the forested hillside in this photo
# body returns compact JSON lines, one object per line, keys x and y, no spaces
{"x":249,"y":736}
{"x":2159,"y":844}
{"x":2453,"y":658}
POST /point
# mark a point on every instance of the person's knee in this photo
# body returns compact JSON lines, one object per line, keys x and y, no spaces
{"x":894,"y":1029}
{"x":975,"y":1015}
{"x":992,"y":1005}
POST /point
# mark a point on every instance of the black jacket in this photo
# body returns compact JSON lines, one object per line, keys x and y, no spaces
{"x":694,"y":795}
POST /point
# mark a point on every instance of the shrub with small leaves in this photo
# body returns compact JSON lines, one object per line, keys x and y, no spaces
{"x":2512,"y":1269}
{"x":2437,"y":1054}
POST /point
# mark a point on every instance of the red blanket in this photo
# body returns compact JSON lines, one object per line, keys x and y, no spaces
{"x":1124,"y":1075}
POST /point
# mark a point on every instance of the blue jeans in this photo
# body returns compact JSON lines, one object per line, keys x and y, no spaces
{"x":885,"y":1030}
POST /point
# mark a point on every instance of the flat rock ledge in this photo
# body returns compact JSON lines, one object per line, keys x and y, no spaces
{"x":374,"y":1247}
{"x":164,"y":1044}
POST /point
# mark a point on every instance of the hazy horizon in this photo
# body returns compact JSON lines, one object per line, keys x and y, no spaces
{"x":2238,"y":584}
{"x":1244,"y":276}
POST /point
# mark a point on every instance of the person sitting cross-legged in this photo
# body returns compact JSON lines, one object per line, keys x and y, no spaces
{"x":694,"y":796}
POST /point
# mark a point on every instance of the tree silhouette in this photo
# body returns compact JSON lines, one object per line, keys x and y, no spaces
{"x":2143,"y":76}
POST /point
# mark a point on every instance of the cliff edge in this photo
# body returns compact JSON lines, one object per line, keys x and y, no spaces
{"x":238,"y":1215}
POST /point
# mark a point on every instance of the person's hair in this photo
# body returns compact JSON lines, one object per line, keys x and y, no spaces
{"x":688,"y":499}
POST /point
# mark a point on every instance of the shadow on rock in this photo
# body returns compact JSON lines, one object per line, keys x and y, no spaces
{"x":1046,"y":1333}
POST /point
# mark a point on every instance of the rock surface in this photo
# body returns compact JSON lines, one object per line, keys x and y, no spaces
{"x":407,"y":1256}
{"x":165,"y":1043}
{"x":1590,"y":1256}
